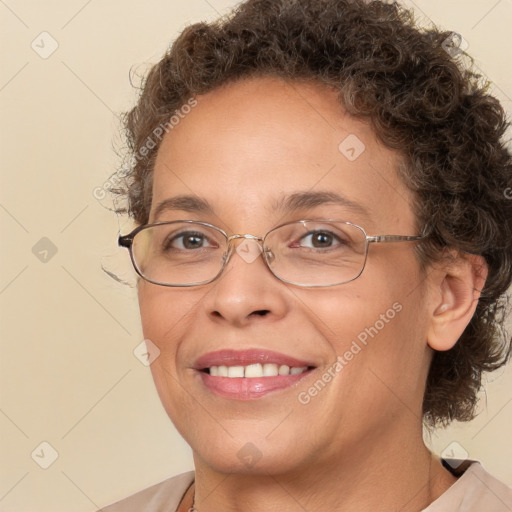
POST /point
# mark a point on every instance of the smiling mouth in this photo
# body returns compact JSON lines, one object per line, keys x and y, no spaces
{"x":256,"y":370}
{"x":250,"y":374}
{"x":253,"y":381}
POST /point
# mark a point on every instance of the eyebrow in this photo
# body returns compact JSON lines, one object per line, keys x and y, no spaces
{"x":290,"y":203}
{"x":192,"y":204}
{"x":305,"y":200}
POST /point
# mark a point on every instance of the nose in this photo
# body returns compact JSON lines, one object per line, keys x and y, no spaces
{"x":246,"y":292}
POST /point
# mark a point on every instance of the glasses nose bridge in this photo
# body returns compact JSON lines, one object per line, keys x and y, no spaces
{"x":231,"y":246}
{"x":232,"y":238}
{"x":258,"y":239}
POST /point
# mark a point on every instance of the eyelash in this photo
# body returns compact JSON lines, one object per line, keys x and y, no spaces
{"x":168,"y":243}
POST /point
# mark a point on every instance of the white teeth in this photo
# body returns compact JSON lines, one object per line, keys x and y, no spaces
{"x":270,"y":370}
{"x":255,"y":370}
{"x":235,"y":371}
{"x":284,"y":370}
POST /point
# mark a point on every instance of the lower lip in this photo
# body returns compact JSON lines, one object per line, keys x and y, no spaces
{"x":242,"y":388}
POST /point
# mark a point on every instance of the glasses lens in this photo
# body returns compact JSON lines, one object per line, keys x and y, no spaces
{"x":179,"y":253}
{"x":316,"y":253}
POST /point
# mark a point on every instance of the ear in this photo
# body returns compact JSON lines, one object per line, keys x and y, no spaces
{"x":457,"y":288}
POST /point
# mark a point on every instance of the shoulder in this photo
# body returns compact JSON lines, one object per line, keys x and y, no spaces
{"x":164,"y":496}
{"x":485,"y":492}
{"x":474,"y":491}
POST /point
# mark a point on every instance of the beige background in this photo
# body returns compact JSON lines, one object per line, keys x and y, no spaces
{"x":68,"y":373}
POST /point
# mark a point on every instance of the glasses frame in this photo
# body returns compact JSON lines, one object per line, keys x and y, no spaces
{"x":127,"y":242}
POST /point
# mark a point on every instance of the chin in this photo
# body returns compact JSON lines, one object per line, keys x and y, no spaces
{"x":247,"y":458}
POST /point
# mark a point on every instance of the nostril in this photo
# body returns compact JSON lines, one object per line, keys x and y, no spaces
{"x":261,"y":312}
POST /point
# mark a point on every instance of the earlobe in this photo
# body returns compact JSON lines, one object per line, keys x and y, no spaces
{"x":458,"y":289}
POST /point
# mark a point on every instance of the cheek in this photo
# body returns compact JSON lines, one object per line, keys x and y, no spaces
{"x":165,"y":316}
{"x":379,"y":357}
{"x":165,"y":313}
{"x":348,"y":314}
{"x":376,"y":322}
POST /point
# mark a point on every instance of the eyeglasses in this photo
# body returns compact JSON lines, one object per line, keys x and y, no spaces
{"x":308,"y":253}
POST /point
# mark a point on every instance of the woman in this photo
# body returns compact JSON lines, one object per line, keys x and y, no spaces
{"x":323,"y":244}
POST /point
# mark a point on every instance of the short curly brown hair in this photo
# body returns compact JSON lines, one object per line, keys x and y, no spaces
{"x":422,"y":99}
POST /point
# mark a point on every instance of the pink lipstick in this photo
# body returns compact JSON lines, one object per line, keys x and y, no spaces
{"x":250,"y":374}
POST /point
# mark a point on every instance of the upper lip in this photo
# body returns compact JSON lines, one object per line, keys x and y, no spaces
{"x":232,"y":357}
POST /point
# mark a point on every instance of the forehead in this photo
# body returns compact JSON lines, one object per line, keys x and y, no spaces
{"x":247,"y":146}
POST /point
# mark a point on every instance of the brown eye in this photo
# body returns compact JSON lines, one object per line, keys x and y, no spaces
{"x":319,"y":240}
{"x":188,"y":241}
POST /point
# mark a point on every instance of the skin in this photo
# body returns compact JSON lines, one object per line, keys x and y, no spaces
{"x":241,"y":148}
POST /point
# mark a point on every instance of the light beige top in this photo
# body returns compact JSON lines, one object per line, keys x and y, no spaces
{"x":474,"y":491}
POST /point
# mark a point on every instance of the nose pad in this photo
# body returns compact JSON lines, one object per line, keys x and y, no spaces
{"x":226,"y":255}
{"x":269,"y":256}
{"x":249,"y":248}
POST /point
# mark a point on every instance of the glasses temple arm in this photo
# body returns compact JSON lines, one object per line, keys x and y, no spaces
{"x":394,"y":238}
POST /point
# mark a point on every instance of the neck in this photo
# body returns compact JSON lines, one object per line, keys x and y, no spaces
{"x":386,"y":477}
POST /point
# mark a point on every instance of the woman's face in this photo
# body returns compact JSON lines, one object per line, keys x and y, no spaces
{"x":245,"y":149}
